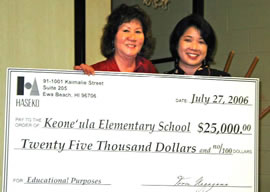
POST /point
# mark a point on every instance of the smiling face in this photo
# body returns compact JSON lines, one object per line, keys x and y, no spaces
{"x":129,"y":39}
{"x":192,"y":49}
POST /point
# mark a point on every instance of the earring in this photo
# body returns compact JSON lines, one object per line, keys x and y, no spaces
{"x":112,"y":46}
{"x":204,"y":62}
{"x":176,"y":62}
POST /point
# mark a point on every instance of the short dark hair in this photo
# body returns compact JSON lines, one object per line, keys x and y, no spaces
{"x":205,"y":29}
{"x":120,"y":15}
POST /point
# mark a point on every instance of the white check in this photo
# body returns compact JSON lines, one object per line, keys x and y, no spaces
{"x":118,"y":132}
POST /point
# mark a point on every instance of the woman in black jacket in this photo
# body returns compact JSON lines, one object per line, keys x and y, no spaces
{"x":192,"y":45}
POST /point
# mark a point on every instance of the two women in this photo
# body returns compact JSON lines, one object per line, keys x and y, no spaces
{"x":127,"y":42}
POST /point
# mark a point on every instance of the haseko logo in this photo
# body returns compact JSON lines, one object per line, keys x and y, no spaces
{"x":22,"y":86}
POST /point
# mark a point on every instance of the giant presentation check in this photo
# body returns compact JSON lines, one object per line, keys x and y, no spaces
{"x":118,"y":132}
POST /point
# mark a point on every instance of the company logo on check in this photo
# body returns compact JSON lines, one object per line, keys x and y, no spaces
{"x":22,"y":86}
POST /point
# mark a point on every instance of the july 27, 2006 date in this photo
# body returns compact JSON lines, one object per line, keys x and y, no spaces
{"x":220,"y":99}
